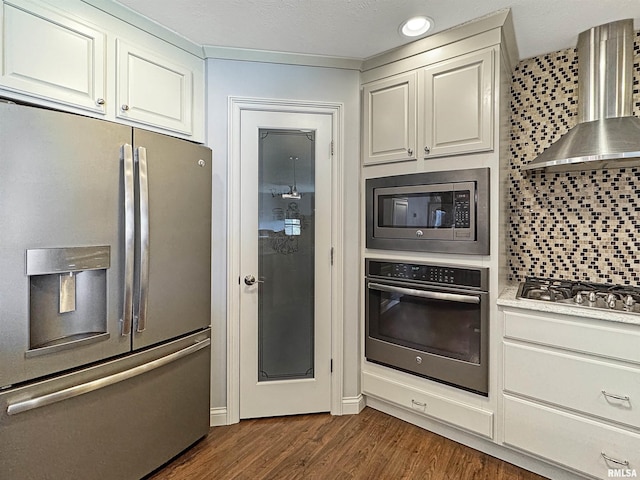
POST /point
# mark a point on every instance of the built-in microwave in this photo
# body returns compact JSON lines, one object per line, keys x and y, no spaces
{"x":444,"y":212}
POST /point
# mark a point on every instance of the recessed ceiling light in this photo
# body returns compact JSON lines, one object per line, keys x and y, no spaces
{"x":416,"y":26}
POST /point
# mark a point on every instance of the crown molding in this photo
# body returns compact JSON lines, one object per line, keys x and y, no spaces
{"x":287,"y":58}
{"x":133,"y":18}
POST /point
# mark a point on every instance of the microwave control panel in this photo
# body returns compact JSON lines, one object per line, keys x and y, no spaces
{"x":462,"y":209}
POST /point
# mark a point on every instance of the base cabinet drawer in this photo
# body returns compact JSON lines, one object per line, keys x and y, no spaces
{"x":572,"y":441}
{"x":455,"y":413}
{"x":586,"y":384}
{"x":614,"y":340}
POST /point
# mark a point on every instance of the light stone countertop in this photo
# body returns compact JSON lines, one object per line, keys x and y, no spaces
{"x":508,"y":299}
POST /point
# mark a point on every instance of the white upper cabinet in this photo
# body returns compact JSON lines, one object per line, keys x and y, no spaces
{"x":390,"y":120}
{"x":50,"y":55}
{"x":71,"y":56}
{"x":442,"y":109}
{"x":153,"y":89}
{"x":456,"y":105}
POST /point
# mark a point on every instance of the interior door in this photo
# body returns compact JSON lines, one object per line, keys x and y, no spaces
{"x":172,"y":295}
{"x":285,"y":264}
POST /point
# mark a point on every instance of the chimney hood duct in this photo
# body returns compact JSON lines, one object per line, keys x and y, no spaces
{"x":607,"y":135}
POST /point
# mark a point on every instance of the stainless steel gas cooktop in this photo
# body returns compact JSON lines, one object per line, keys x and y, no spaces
{"x":621,"y":298}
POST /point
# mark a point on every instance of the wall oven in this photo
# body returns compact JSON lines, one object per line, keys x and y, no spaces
{"x":435,"y":212}
{"x":430,"y":320}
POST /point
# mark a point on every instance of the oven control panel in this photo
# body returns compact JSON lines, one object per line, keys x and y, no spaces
{"x":428,"y":273}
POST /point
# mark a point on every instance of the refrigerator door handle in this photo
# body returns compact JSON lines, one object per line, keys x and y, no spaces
{"x":67,"y":393}
{"x":143,"y":185}
{"x":129,"y":238}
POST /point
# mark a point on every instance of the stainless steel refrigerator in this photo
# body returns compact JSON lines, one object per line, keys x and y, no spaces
{"x":105,"y":236}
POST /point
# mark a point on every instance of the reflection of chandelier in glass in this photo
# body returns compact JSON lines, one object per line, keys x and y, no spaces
{"x":293,"y":189}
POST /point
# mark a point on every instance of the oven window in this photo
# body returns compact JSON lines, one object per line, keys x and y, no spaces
{"x":441,"y":327}
{"x":419,"y":210}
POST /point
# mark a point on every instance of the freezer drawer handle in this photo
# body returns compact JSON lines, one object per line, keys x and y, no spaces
{"x":67,"y":393}
{"x":129,"y":234}
{"x":451,"y":297}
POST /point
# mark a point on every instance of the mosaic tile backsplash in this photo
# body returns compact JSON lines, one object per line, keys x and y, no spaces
{"x":579,"y":225}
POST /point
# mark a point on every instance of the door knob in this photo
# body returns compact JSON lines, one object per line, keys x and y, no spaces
{"x":251,"y":280}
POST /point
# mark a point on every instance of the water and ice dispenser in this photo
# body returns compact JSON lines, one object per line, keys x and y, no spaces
{"x":67,"y":297}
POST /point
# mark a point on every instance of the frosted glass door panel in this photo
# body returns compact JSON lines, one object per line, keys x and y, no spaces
{"x":286,"y":250}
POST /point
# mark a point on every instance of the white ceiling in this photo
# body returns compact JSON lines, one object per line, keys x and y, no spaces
{"x":362,"y":28}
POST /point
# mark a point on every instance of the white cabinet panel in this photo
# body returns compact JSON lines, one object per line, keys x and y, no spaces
{"x":571,"y":388}
{"x":455,"y":413}
{"x":604,"y":339}
{"x":48,"y":54}
{"x":609,"y":391}
{"x":390,"y":120}
{"x":154,"y":90}
{"x":456,"y":105}
{"x":570,"y":440}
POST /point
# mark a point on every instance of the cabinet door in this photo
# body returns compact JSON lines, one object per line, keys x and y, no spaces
{"x":390,"y":120}
{"x":456,"y":105}
{"x":153,"y":90}
{"x":47,"y":54}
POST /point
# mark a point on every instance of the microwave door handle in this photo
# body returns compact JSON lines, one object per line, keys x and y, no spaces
{"x":451,"y":297}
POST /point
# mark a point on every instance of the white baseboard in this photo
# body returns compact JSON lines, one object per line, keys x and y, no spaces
{"x":353,"y":405}
{"x":350,"y":406}
{"x":218,"y":417}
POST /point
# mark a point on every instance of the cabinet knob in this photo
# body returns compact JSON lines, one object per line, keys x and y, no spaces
{"x":125,"y":108}
{"x":100,"y":101}
{"x":427,"y":150}
{"x":409,"y":152}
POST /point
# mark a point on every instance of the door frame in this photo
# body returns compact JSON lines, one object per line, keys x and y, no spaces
{"x":336,"y":110}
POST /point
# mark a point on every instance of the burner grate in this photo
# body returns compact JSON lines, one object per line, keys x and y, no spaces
{"x":624,"y":298}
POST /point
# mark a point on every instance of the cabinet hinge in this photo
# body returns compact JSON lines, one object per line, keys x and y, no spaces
{"x":332,"y":148}
{"x":332,"y":365}
{"x":332,"y":251}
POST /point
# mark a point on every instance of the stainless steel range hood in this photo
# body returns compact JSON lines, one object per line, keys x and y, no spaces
{"x":607,"y":135}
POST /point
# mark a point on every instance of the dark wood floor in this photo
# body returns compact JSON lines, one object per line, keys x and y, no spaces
{"x":371,"y":445}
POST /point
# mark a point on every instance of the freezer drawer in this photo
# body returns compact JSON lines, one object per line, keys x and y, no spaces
{"x":117,"y":420}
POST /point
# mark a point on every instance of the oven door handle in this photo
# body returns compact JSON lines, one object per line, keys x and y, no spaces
{"x":452,"y":297}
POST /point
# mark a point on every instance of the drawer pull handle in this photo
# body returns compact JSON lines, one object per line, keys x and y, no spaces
{"x":624,"y":398}
{"x":418,"y":404}
{"x":624,"y":463}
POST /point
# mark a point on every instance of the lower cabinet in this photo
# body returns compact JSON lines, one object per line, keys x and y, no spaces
{"x":571,"y":392}
{"x":570,"y":440}
{"x":448,"y":410}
